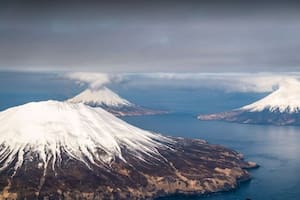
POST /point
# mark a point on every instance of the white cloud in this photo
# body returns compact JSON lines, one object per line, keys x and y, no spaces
{"x":230,"y":82}
{"x":94,"y":80}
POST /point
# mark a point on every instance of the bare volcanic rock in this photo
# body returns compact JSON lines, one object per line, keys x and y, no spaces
{"x":132,"y":110}
{"x":187,"y":167}
{"x":59,"y":150}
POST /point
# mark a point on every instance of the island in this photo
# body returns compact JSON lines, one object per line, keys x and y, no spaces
{"x":95,"y":155}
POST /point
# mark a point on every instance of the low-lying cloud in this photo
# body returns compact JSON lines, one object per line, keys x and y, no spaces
{"x":94,"y":80}
{"x":229,"y":82}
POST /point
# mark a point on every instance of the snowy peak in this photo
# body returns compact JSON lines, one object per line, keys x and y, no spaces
{"x":285,"y":99}
{"x":100,"y":97}
{"x":281,"y":108}
{"x":111,"y":102}
{"x":90,"y":135}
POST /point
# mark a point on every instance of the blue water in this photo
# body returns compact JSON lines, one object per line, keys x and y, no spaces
{"x":276,"y":149}
{"x":19,"y":88}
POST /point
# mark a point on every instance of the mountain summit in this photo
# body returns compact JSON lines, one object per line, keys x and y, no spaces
{"x":100,"y":97}
{"x":61,"y":150}
{"x":111,"y":102}
{"x":281,"y":107}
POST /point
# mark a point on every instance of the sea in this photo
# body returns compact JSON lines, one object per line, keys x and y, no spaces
{"x":276,"y":149}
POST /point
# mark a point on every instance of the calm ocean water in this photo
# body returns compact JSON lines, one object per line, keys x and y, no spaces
{"x":276,"y":149}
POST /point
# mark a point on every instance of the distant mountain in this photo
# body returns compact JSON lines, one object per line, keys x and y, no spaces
{"x":60,"y":150}
{"x":282,"y":107}
{"x":112,"y":102}
{"x":100,"y":97}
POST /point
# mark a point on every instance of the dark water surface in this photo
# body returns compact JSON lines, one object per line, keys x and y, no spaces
{"x":276,"y":149}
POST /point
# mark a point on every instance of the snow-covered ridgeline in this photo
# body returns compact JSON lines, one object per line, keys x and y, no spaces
{"x":285,"y":99}
{"x":98,"y":97}
{"x":50,"y":127}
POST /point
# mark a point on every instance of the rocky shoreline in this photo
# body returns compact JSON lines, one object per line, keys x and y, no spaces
{"x":250,"y":117}
{"x":132,"y":111}
{"x":188,"y":166}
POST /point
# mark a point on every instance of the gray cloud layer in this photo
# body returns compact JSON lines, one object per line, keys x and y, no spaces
{"x":144,"y":37}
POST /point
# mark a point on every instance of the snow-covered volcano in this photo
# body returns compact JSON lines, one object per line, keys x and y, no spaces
{"x":61,"y":150}
{"x":111,"y":102}
{"x":49,"y":128}
{"x":285,"y":99}
{"x":100,"y":97}
{"x":281,"y":107}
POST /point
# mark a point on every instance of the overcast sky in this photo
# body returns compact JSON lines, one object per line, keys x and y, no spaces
{"x":150,"y":37}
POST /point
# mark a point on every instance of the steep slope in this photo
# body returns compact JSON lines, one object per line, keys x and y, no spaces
{"x":63,"y":150}
{"x":286,"y":99}
{"x":281,"y":107}
{"x":47,"y":128}
{"x":110,"y":101}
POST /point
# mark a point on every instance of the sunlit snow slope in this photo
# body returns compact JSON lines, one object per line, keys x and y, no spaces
{"x":285,"y":99}
{"x":281,"y":107}
{"x":51,"y":128}
{"x":100,"y":97}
